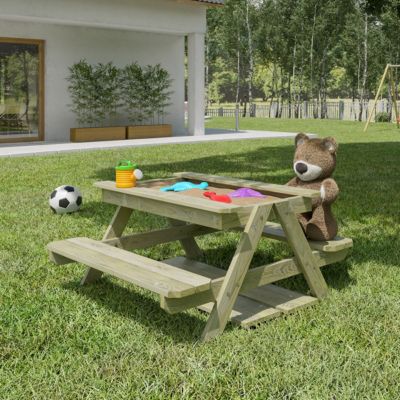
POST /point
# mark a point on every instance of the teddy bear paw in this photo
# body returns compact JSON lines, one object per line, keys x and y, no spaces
{"x":329,"y":191}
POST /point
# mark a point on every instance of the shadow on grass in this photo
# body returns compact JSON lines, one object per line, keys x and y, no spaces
{"x":367,"y":174}
{"x":261,"y":164}
{"x":128,"y":303}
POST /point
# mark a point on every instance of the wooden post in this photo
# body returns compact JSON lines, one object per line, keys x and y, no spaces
{"x":190,"y":246}
{"x":237,"y":118}
{"x":376,"y":96}
{"x":236,"y":273}
{"x":393,"y":95}
{"x":301,"y":249}
{"x":114,"y":230}
{"x":341,"y":109}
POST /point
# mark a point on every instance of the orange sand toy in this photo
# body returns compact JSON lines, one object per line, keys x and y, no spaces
{"x":126,"y":174}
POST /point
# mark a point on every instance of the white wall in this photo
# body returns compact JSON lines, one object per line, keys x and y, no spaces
{"x":68,"y":44}
{"x":173,"y":16}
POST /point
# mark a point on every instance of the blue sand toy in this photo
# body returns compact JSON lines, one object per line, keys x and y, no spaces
{"x":182,"y":186}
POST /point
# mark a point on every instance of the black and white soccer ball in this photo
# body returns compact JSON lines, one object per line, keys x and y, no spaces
{"x":65,"y":199}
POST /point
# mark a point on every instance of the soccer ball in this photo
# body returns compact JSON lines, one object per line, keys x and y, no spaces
{"x":65,"y":199}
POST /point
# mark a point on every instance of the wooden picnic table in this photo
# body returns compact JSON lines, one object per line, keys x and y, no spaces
{"x":242,"y":295}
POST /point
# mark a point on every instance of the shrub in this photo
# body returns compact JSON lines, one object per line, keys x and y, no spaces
{"x":98,"y":91}
{"x":106,"y":78}
{"x":80,"y":88}
{"x":134,"y":92}
{"x":382,"y":117}
{"x":94,"y":92}
{"x":160,"y":82}
{"x":145,"y":92}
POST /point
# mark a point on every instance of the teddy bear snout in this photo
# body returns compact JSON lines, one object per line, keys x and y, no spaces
{"x":301,"y":168}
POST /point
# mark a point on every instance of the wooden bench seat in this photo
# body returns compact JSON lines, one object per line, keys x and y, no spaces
{"x":275,"y":231}
{"x":161,"y":278}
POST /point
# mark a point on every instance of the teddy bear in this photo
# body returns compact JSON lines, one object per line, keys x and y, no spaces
{"x":314,"y":162}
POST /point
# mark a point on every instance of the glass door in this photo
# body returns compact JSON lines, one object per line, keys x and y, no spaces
{"x":21,"y":90}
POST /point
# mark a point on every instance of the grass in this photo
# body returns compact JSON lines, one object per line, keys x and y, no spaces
{"x":112,"y":341}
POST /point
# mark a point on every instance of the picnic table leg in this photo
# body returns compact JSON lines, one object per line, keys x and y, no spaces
{"x":301,"y":249}
{"x":114,"y":230}
{"x":236,"y":273}
{"x":190,"y":245}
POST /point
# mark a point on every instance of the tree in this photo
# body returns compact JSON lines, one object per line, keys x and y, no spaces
{"x":309,"y":50}
{"x":21,"y":74}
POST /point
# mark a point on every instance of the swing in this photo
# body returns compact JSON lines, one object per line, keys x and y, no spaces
{"x":389,"y":73}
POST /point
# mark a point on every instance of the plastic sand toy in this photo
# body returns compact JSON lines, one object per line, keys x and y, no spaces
{"x":223,"y":198}
{"x":182,"y":186}
{"x":245,"y":192}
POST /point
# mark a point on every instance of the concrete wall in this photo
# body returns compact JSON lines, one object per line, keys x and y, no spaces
{"x":66,"y":45}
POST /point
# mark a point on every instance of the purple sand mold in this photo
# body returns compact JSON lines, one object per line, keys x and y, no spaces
{"x":245,"y":192}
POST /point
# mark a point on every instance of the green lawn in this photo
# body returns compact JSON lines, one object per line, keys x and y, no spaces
{"x":112,"y":341}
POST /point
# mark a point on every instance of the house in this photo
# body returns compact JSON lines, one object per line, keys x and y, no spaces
{"x":60,"y":32}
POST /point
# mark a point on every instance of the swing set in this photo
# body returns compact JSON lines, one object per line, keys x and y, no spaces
{"x":389,"y":74}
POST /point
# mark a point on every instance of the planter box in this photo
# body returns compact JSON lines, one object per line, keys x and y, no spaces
{"x":148,"y":131}
{"x":97,"y":134}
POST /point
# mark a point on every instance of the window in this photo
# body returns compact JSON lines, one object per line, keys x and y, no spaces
{"x":21,"y":90}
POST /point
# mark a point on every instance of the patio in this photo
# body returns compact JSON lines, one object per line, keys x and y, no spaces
{"x":211,"y":135}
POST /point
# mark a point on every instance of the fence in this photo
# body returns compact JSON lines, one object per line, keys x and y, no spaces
{"x":339,"y":110}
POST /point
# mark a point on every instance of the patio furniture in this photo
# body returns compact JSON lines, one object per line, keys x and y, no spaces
{"x":242,"y":295}
{"x":13,"y":116}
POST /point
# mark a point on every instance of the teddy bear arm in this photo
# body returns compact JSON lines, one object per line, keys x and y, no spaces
{"x":329,"y":191}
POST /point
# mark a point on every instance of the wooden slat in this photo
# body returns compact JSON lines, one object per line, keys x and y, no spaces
{"x":301,"y":249}
{"x":149,"y":182}
{"x":255,"y":277}
{"x":59,"y":260}
{"x":275,"y":231}
{"x":153,"y":275}
{"x":190,"y":209}
{"x":196,"y":267}
{"x":298,"y":203}
{"x":286,"y":268}
{"x":149,"y":265}
{"x":169,"y":198}
{"x":236,"y":272}
{"x":152,"y":238}
{"x":264,"y":303}
{"x":276,"y":190}
{"x":280,"y":298}
{"x":167,"y":209}
{"x":247,"y":312}
{"x":174,"y":306}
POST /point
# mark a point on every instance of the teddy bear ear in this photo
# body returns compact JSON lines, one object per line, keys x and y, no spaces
{"x":330,"y":144}
{"x":300,"y":139}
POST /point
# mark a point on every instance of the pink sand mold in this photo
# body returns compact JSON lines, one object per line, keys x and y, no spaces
{"x":246,"y":192}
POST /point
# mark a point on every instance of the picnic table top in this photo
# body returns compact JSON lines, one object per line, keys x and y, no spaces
{"x":150,"y":189}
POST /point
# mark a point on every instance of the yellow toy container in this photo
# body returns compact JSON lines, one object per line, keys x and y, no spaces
{"x":124,"y":176}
